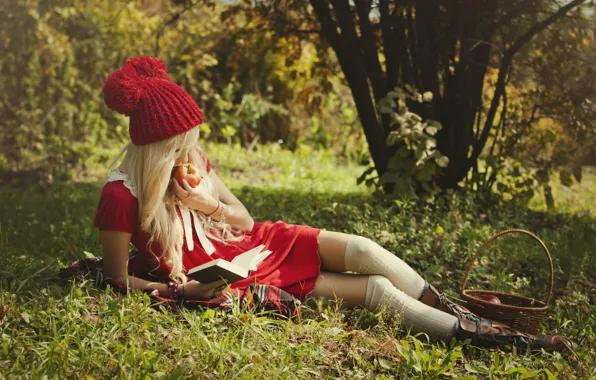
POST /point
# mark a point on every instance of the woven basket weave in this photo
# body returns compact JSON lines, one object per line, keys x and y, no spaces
{"x":521,"y":313}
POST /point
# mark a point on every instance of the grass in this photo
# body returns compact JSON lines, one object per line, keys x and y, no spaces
{"x":579,"y":198}
{"x":56,"y":330}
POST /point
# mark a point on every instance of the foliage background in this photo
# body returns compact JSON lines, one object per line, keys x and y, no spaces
{"x":263,"y":78}
{"x":283,"y":133}
{"x":254,"y":85}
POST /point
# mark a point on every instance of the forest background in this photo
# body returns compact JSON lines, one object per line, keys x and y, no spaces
{"x":450,"y":120}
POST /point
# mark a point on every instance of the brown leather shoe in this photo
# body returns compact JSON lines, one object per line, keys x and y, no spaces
{"x":486,"y":332}
{"x":500,"y":335}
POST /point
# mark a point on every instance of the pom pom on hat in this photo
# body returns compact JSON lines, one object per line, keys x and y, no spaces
{"x":147,"y":67}
{"x":157,"y":108}
{"x":124,"y":87}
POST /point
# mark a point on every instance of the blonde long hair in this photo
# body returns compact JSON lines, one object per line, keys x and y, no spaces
{"x":149,"y":168}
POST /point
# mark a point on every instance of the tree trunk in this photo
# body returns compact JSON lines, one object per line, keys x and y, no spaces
{"x":437,"y":46}
{"x":351,"y":59}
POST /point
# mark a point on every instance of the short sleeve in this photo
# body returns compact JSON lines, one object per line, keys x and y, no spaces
{"x":117,"y":209}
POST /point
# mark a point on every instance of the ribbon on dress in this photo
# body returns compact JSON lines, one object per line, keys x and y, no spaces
{"x":187,"y":214}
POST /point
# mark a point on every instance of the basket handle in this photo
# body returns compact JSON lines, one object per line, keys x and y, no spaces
{"x":550,"y":260}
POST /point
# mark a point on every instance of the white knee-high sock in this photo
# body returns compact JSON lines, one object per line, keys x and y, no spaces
{"x":415,"y":315}
{"x":367,"y":257}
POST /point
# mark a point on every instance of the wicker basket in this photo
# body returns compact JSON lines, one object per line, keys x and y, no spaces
{"x":521,"y":313}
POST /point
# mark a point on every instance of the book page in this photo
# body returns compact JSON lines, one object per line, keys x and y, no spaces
{"x":245,"y":259}
{"x":258,"y":259}
{"x":206,"y":265}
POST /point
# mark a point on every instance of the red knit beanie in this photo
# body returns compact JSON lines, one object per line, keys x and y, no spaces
{"x":157,"y":108}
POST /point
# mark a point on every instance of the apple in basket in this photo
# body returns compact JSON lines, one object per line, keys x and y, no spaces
{"x":491,"y":299}
{"x":189,"y":172}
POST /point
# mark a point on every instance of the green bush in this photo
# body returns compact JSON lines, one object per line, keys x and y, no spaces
{"x":252,"y":85}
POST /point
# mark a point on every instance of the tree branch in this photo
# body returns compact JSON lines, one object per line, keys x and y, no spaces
{"x":413,"y":38}
{"x":352,"y":63}
{"x":537,"y":28}
{"x":506,"y":62}
{"x":509,"y":16}
{"x":328,"y":26}
{"x":390,"y":52}
{"x":500,"y":131}
{"x":175,"y":17}
{"x":368,"y":44}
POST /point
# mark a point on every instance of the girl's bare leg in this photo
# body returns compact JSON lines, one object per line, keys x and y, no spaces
{"x":332,"y":249}
{"x":350,"y":288}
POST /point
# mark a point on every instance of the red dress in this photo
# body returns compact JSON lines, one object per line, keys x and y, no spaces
{"x":293,"y":266}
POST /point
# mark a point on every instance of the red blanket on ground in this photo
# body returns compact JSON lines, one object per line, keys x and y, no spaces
{"x":254,"y":297}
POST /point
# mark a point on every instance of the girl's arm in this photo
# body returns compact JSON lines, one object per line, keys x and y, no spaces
{"x":236,"y":214}
{"x":115,"y":262}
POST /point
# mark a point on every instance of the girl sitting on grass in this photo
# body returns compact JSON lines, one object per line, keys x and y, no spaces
{"x":176,"y":228}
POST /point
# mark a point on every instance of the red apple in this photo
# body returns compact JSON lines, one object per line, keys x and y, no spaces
{"x":189,"y":172}
{"x":491,"y":299}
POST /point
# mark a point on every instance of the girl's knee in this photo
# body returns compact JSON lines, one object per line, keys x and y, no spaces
{"x":376,"y":289}
{"x":361,"y":244}
{"x":378,"y":282}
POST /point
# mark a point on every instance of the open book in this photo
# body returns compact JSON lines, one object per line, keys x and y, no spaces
{"x":233,"y":271}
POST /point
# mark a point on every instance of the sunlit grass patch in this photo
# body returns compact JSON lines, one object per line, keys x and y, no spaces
{"x":53,"y":329}
{"x":580,"y":198}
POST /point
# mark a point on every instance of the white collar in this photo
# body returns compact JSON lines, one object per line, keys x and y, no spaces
{"x":187,"y":214}
{"x":117,"y":175}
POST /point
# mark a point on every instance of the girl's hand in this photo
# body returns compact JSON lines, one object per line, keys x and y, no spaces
{"x":197,"y":198}
{"x":195,"y":290}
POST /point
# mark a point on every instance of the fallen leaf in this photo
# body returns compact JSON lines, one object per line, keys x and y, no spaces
{"x":91,"y":318}
{"x":385,"y":363}
{"x":335,"y":331}
{"x":24,"y":316}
